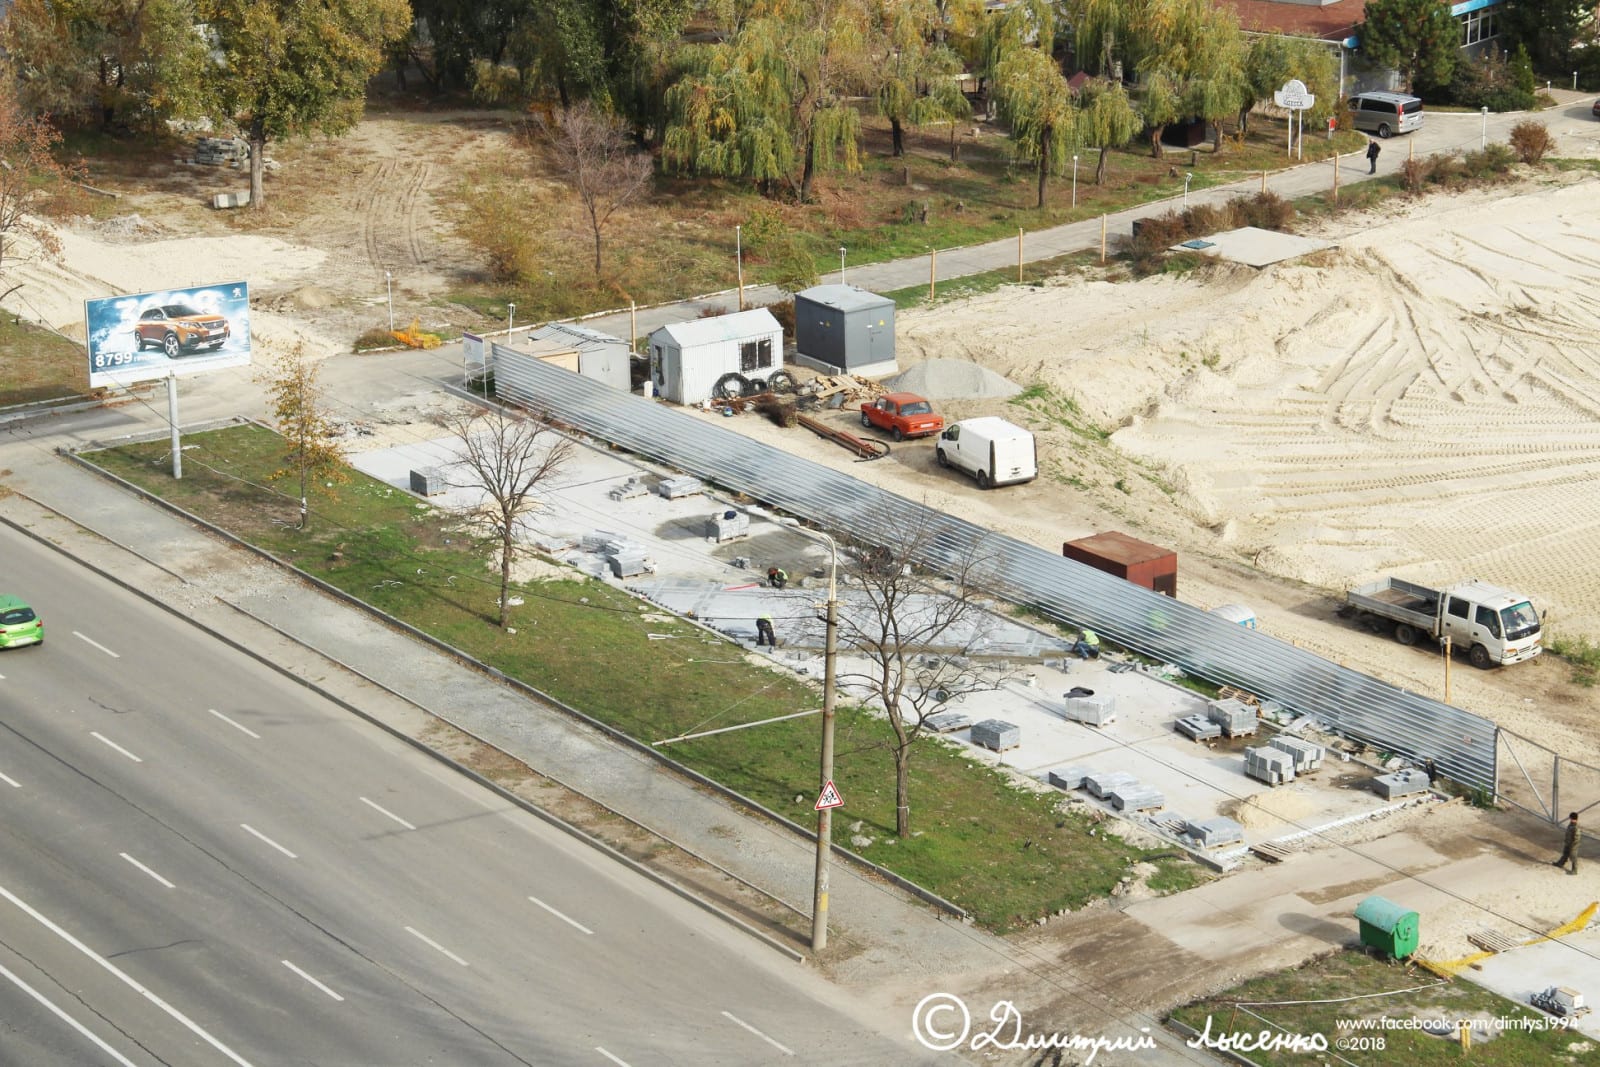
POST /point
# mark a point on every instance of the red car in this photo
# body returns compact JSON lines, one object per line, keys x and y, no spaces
{"x":903,"y":415}
{"x":178,"y":328}
{"x":1595,"y":111}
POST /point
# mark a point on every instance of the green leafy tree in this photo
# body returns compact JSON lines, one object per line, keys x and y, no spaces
{"x":286,"y":68}
{"x":1191,"y":65}
{"x":775,"y":97}
{"x":126,"y":62}
{"x":1418,"y":38}
{"x":1106,"y":119}
{"x":918,"y":73}
{"x":1036,"y":102}
{"x":1270,"y":62}
{"x":1550,"y":30}
{"x":33,"y":183}
{"x":313,"y":454}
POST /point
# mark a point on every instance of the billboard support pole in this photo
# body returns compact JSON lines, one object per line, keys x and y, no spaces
{"x":172,"y":417}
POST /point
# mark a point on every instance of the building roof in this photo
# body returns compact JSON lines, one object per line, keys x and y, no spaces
{"x":1330,"y":22}
{"x":844,"y":297}
{"x":739,"y":326}
{"x":570,"y":336}
{"x":1121,"y":548}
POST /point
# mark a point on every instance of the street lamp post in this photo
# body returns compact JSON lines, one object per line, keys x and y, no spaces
{"x":1074,"y":181}
{"x":841,"y":264}
{"x":511,"y":311}
{"x":819,"y":903}
{"x":1186,"y":177}
{"x":738,"y":255}
{"x":388,"y":285}
{"x":1483,"y":141}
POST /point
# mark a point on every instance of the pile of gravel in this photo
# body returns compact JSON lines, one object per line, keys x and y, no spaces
{"x":952,"y":379}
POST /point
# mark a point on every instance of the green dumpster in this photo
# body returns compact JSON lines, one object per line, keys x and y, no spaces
{"x":1387,"y":927}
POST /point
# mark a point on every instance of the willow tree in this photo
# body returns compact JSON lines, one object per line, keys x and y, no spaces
{"x":918,"y":73}
{"x":1270,"y":62}
{"x":1036,"y":102}
{"x":1106,"y":119}
{"x":773,"y":98}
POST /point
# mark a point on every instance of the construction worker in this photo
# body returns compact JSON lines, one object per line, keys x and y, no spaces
{"x":1087,"y":646}
{"x":765,"y":635}
{"x":1569,"y":850}
{"x":777,"y":577}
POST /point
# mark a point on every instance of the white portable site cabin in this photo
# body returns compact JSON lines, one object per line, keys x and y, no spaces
{"x":687,"y":358}
{"x":575,"y":348}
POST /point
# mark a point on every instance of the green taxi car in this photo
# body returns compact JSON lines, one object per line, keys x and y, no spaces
{"x":19,"y":624}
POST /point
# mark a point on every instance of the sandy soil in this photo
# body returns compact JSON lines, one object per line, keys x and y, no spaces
{"x":1420,"y":401}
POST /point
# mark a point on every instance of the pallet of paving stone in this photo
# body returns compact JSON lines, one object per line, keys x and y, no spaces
{"x":1091,"y":710}
{"x":1069,"y":778}
{"x":673,"y":488}
{"x":633,"y":487}
{"x":1307,"y":756}
{"x":1101,"y":783}
{"x":1136,"y":797}
{"x":1215,"y":832}
{"x":944,"y":722}
{"x":1234,"y":716}
{"x":996,"y":734}
{"x":1270,"y":765}
{"x":1197,"y":728}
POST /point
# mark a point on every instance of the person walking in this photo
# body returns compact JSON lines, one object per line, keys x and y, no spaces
{"x":1088,"y":645}
{"x":765,"y":635}
{"x":777,"y":577}
{"x":1372,"y":157}
{"x":1569,"y":849}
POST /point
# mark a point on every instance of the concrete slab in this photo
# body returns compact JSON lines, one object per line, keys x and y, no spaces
{"x":1254,"y":247}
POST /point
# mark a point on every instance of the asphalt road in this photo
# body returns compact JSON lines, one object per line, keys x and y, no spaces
{"x":202,"y":862}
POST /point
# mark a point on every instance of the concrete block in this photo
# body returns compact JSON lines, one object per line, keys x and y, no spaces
{"x":1197,"y":728}
{"x":682,"y":485}
{"x":943,"y":722}
{"x":1101,"y":783}
{"x":1096,"y":711}
{"x":428,"y":482}
{"x":1400,"y":783}
{"x":1307,"y":755}
{"x":1136,"y":797}
{"x":1210,"y":833}
{"x":1234,"y":716}
{"x":1270,"y":765}
{"x":728,"y":525}
{"x":1069,"y":778}
{"x":996,"y":734}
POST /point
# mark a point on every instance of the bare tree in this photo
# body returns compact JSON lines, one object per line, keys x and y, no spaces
{"x":919,"y":630}
{"x":595,"y":155}
{"x":509,"y":456}
{"x":313,"y":452}
{"x":32,"y":181}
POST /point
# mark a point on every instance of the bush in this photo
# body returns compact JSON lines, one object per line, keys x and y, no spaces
{"x":1531,"y":141}
{"x":1210,"y":218}
{"x":375,"y":338}
{"x":1265,"y":211}
{"x":1494,"y":161}
{"x":1413,"y":173}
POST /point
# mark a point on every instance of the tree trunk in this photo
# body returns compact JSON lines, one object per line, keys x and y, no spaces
{"x":1216,"y":136}
{"x":955,"y":145}
{"x":897,"y":137}
{"x":1100,"y":168}
{"x":1044,"y":165}
{"x":1155,"y":140}
{"x":1244,"y":120}
{"x":902,"y":791}
{"x":810,"y":171}
{"x":597,"y":251}
{"x":258,"y":156}
{"x":506,"y":544}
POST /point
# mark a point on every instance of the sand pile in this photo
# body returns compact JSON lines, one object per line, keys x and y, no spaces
{"x":953,"y":379}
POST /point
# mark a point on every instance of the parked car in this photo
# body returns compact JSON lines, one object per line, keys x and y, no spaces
{"x":1595,"y":111}
{"x":902,"y":415}
{"x":992,"y":450}
{"x":1385,"y":113}
{"x":178,"y":328}
{"x":19,"y":624}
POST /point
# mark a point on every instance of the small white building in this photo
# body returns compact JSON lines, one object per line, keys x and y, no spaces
{"x":575,"y":348}
{"x":688,"y":358}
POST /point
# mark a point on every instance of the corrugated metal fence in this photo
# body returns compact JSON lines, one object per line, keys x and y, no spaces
{"x":1353,"y":704}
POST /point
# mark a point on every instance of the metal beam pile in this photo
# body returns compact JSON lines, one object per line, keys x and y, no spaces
{"x":1351,"y":703}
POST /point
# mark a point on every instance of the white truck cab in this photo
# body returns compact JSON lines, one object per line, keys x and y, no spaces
{"x":992,"y":450}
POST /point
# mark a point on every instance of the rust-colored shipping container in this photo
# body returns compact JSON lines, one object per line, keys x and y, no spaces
{"x":1140,"y":562}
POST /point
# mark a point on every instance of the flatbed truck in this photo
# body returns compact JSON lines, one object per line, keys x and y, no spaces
{"x":1494,"y":626}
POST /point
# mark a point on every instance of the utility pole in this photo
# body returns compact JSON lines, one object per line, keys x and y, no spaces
{"x":819,"y":904}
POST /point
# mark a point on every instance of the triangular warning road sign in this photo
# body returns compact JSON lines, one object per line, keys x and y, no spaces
{"x":830,"y":797}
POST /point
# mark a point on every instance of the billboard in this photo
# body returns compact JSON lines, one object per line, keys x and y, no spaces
{"x":173,"y":331}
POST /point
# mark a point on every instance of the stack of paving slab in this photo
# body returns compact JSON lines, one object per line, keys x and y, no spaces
{"x":728,"y":525}
{"x":1096,"y":711}
{"x":629,"y":489}
{"x":1211,"y":833}
{"x":1400,"y":783}
{"x":1307,"y":756}
{"x":681,"y":485}
{"x":944,"y":722}
{"x":996,"y":734}
{"x":1069,"y":778}
{"x":1136,"y":796}
{"x":1234,"y":716}
{"x":1101,"y":783}
{"x":1271,"y":765}
{"x":1197,"y":728}
{"x":429,"y":481}
{"x":221,"y":151}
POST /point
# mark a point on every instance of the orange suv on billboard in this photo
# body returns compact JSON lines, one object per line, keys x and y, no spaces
{"x":178,"y":328}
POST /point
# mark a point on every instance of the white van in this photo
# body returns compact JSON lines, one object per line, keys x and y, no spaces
{"x":1385,"y":113}
{"x":992,"y":450}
